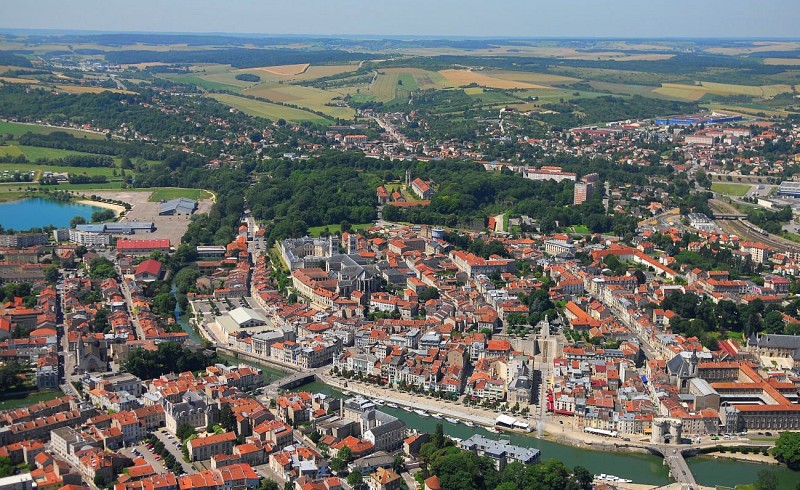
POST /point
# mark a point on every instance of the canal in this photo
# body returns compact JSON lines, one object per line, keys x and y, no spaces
{"x":183,"y":319}
{"x":641,"y":468}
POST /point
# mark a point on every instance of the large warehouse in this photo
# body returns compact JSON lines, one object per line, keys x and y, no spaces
{"x":791,"y":189}
{"x":179,"y":206}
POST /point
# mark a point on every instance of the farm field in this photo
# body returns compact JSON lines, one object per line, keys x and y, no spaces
{"x":696,"y":92}
{"x":167,"y":193}
{"x":530,"y":77}
{"x":17,"y":80}
{"x":77,"y":89}
{"x":782,"y":61}
{"x":307,"y":97}
{"x":310,"y":73}
{"x":266,"y":110}
{"x":424,"y":79}
{"x":18,"y":129}
{"x":730,"y":189}
{"x":459,"y":78}
{"x":285,"y":70}
{"x":201,"y":82}
{"x":626,"y":89}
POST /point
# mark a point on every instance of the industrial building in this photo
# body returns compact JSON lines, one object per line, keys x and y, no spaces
{"x":179,"y":206}
{"x":791,"y":189}
{"x":696,"y":119}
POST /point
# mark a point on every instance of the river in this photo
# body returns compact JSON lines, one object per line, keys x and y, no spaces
{"x":38,"y":213}
{"x":641,"y":468}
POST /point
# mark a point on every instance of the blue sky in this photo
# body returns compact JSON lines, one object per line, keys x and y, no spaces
{"x":469,"y":18}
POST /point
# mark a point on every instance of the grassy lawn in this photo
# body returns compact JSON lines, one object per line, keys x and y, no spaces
{"x":333,"y":229}
{"x":22,"y":399}
{"x":579,"y":229}
{"x":730,"y":189}
{"x":168,"y":193}
{"x":791,"y":236}
{"x":18,"y":129}
{"x":11,"y":194}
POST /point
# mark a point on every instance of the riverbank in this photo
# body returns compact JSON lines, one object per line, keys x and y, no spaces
{"x":749,"y":457}
{"x":118,"y":210}
{"x":563,"y":432}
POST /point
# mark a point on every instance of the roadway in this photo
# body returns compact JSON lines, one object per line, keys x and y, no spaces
{"x":164,"y":436}
{"x":129,"y":302}
{"x":677,"y":466}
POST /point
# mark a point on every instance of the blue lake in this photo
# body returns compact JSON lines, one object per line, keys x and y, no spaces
{"x":38,"y":213}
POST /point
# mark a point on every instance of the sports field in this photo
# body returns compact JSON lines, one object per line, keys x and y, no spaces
{"x":730,"y":189}
{"x":267,"y":110}
{"x":167,"y":193}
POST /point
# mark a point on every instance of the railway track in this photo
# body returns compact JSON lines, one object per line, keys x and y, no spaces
{"x":750,"y":232}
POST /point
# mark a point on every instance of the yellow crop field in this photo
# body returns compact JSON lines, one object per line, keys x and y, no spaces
{"x":530,"y":77}
{"x":696,"y":92}
{"x":308,"y":97}
{"x":458,"y":78}
{"x":17,"y":80}
{"x":77,"y":89}
{"x":142,"y":66}
{"x":756,"y":47}
{"x":282,"y":70}
{"x":755,"y":91}
{"x":678,"y":91}
{"x":782,"y":61}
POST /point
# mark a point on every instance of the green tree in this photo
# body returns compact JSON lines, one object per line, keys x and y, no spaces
{"x":337,"y":464}
{"x":582,"y":477}
{"x":51,"y":274}
{"x":428,"y":294}
{"x":226,"y":418}
{"x":102,"y":268}
{"x":267,"y":484}
{"x":77,"y":220}
{"x":345,"y":454}
{"x":355,"y":479}
{"x":185,"y":431}
{"x":7,"y":468}
{"x":787,"y":449}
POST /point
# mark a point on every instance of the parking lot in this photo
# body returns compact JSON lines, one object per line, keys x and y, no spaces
{"x":173,"y":446}
{"x":170,"y":227}
{"x":141,"y":451}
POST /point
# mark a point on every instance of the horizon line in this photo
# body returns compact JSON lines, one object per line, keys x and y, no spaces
{"x":64,"y":32}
